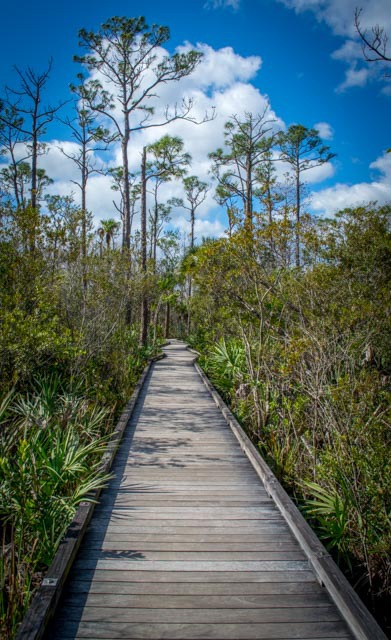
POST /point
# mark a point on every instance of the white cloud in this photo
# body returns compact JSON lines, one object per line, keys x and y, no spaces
{"x":222,"y":4}
{"x":319,"y":173}
{"x":329,"y":201}
{"x":208,"y":228}
{"x":202,"y":228}
{"x":349,"y":52}
{"x":100,"y":197}
{"x":57,"y":164}
{"x":325,"y":130}
{"x":354,"y":77}
{"x":339,"y":16}
{"x":314,"y":175}
{"x":221,"y":80}
{"x":220,"y":68}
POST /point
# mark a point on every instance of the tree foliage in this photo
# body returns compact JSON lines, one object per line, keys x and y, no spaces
{"x":304,"y":360}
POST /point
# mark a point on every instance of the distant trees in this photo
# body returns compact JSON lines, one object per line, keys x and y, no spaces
{"x":10,"y":138}
{"x":124,"y":56}
{"x":302,"y":149}
{"x":90,"y":138}
{"x":166,"y":160}
{"x":195,"y":192}
{"x":24,"y":116}
{"x":236,"y":170}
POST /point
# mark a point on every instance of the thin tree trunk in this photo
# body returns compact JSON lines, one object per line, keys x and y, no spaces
{"x":249,"y":194}
{"x":144,"y":297}
{"x":270,"y":215}
{"x":154,"y":230}
{"x":33,"y":220}
{"x":156,"y":318}
{"x":126,"y":186}
{"x":34,"y":162}
{"x":189,"y":291}
{"x":167,"y":321}
{"x":298,"y":203}
{"x":126,"y":206}
{"x":15,"y":185}
{"x":84,"y":218}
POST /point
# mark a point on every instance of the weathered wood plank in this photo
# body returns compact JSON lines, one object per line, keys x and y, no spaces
{"x":190,"y":526}
{"x":160,"y":494}
{"x":128,"y":519}
{"x":119,"y":575}
{"x":254,"y":548}
{"x":137,"y":563}
{"x":135,"y":553}
{"x":195,"y":615}
{"x":131,"y":501}
{"x":262,"y":511}
{"x":181,"y":601}
{"x":205,"y":589}
{"x":248,"y":631}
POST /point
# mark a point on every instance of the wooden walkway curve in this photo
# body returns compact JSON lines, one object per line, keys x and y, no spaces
{"x":186,"y":542}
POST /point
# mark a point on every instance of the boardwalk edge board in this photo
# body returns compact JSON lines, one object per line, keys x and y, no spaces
{"x":47,"y":596}
{"x":358,"y":618}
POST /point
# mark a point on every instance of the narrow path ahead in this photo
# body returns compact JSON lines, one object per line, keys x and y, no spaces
{"x":186,"y":542}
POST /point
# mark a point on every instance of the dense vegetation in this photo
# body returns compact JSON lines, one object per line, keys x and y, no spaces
{"x":69,"y":362}
{"x":290,"y":313}
{"x":304,"y":362}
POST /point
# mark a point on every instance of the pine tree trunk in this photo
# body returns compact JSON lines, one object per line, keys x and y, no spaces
{"x":144,"y":297}
{"x":126,"y":186}
{"x":167,"y":321}
{"x":84,"y":218}
{"x":249,"y":195}
{"x":297,"y":247}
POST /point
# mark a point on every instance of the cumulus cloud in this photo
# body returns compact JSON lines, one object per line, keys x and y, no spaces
{"x":339,"y":16}
{"x":223,"y":81}
{"x":202,"y":228}
{"x":329,"y":201}
{"x":319,"y":173}
{"x":314,"y":175}
{"x":325,"y":130}
{"x":220,"y":68}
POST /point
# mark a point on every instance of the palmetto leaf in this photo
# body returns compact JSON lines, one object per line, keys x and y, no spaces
{"x":227,"y":362}
{"x":332,"y":513}
{"x":323,"y":501}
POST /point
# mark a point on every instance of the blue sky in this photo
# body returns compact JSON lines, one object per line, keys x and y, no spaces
{"x":302,"y":56}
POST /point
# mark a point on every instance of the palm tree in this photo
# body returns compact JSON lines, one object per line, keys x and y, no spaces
{"x":108,"y":229}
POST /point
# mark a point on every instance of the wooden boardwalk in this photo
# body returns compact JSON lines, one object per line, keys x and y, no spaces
{"x":186,"y":542}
